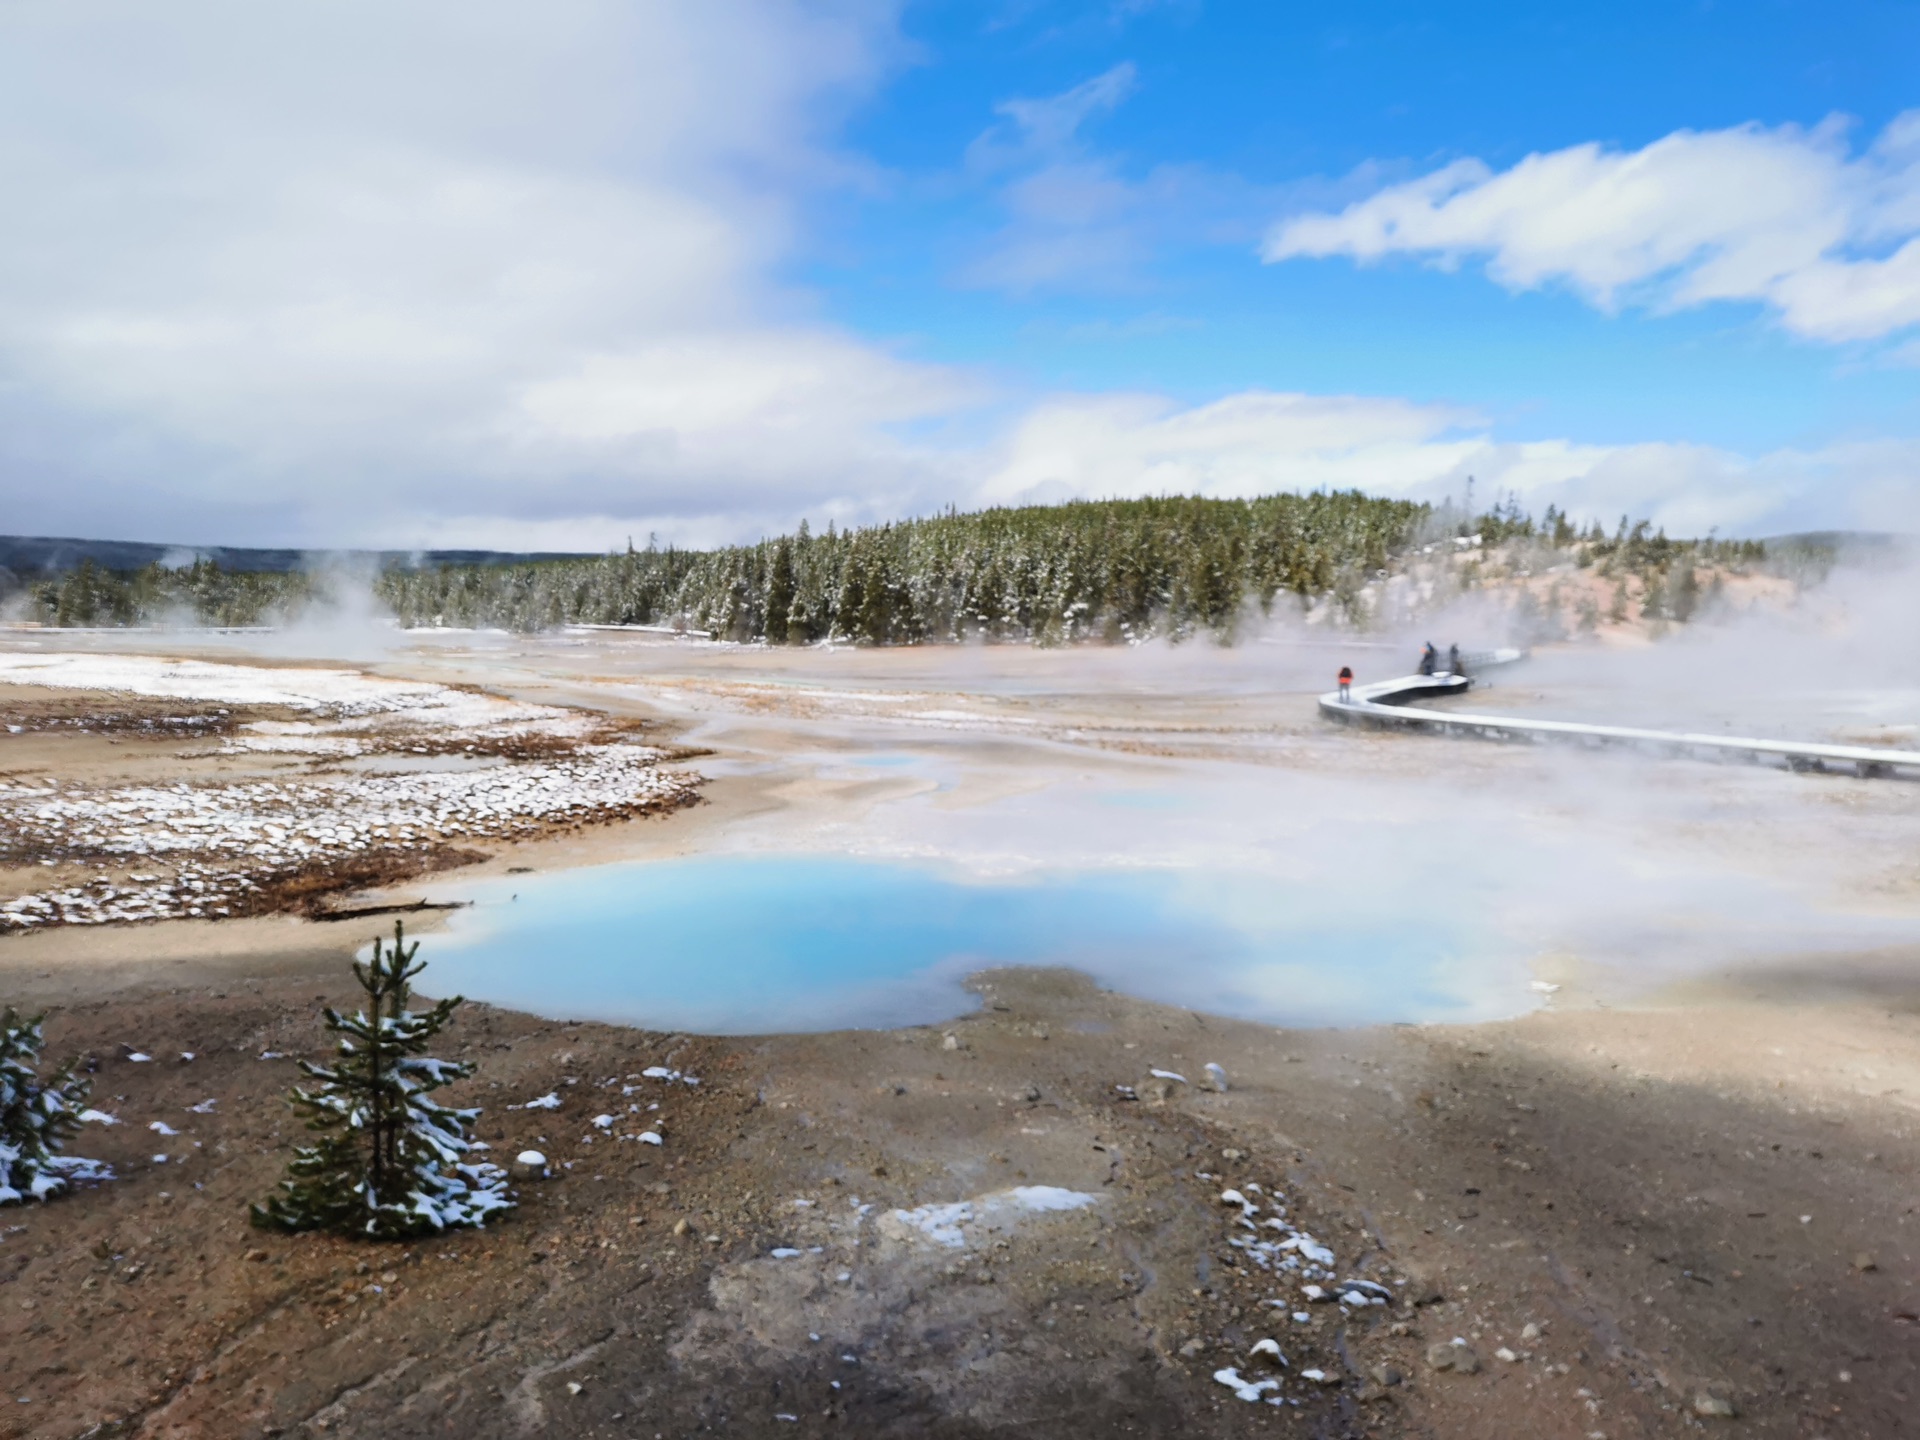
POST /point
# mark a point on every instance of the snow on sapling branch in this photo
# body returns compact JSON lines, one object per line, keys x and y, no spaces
{"x":37,"y":1117}
{"x":390,"y":1163}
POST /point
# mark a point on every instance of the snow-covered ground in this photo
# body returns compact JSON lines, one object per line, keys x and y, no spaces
{"x":342,"y":696}
{"x":216,"y":847}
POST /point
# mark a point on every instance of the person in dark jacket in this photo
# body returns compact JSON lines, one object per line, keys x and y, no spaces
{"x":1429,"y":657}
{"x":1453,"y":660}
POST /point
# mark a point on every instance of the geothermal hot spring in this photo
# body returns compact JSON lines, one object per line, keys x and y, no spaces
{"x":745,"y":943}
{"x":1302,"y":895}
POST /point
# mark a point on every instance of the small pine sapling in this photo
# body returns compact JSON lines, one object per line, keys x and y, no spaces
{"x":390,"y":1163}
{"x":37,"y":1117}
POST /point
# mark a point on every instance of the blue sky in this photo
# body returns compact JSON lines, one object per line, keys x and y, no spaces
{"x":1272,"y":106}
{"x":547,"y":276}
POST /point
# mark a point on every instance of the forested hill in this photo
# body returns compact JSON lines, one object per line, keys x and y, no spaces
{"x":1109,"y":569}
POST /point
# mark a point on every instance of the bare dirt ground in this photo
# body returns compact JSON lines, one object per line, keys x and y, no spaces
{"x":1632,"y":1184}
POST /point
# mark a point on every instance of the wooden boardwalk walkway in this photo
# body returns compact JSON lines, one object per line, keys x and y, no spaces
{"x":1392,"y":702}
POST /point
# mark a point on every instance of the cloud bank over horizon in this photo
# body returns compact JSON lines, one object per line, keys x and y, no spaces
{"x":527,"y":280}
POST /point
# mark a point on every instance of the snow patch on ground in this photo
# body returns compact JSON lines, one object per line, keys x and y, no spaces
{"x":951,"y":1225}
{"x":337,"y":693}
{"x":222,"y":839}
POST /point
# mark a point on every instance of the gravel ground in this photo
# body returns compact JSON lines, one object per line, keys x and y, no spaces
{"x":1643,"y":1219}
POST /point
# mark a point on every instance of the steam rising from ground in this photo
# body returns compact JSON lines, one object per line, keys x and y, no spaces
{"x":1493,"y":866}
{"x":1505,"y":863}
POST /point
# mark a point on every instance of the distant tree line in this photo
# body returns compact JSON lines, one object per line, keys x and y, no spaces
{"x":1107,"y":570}
{"x":1103,"y":571}
{"x":202,"y":593}
{"x":1652,"y":577}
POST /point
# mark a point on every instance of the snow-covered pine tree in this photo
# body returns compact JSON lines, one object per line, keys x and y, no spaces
{"x":390,"y":1162}
{"x":37,"y":1117}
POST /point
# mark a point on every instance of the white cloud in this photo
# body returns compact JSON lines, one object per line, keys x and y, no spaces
{"x":1247,"y":444}
{"x":1081,"y":219}
{"x":1788,"y":217}
{"x":1052,"y":123}
{"x":749,"y":384}
{"x":507,"y":278}
{"x":1257,"y":443}
{"x":263,"y":277}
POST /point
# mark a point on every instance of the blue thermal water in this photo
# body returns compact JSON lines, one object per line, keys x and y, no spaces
{"x":762,"y":943}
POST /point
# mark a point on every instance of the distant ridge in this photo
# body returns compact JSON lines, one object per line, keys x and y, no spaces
{"x":57,"y":554}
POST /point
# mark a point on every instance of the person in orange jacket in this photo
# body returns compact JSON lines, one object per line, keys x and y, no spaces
{"x":1346,"y":683}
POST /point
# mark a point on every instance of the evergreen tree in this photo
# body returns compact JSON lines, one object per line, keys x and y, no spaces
{"x":780,"y":594}
{"x":37,"y":1117}
{"x":1686,"y":595}
{"x":389,"y":1162}
{"x":1653,"y":604}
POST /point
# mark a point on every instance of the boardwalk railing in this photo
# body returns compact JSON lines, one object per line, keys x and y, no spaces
{"x":1390,"y":702}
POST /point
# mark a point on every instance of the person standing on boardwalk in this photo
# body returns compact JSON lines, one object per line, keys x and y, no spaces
{"x":1429,"y":657}
{"x":1346,"y":683}
{"x":1453,"y":661}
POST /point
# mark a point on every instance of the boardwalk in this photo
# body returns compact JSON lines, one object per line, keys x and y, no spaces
{"x":1392,"y":702}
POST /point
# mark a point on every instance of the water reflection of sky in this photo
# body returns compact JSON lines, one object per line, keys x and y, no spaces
{"x":742,"y":943}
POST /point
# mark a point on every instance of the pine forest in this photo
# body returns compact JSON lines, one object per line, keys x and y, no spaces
{"x":1110,"y":571}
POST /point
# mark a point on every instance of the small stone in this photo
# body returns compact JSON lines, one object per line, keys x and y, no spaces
{"x":1864,"y":1262}
{"x":256,"y":1254}
{"x":1503,"y":1353}
{"x":1157,"y":1089}
{"x":1216,"y":1078}
{"x":1705,"y":1403}
{"x":1386,"y":1375}
{"x":529,"y":1165}
{"x":1457,"y":1357}
{"x":681,"y":1227}
{"x":1192,"y":1348}
{"x":1530,"y":1333}
{"x":950,"y":1041}
{"x":1232,"y":1154}
{"x":574,"y":1387}
{"x":1032,"y":1092}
